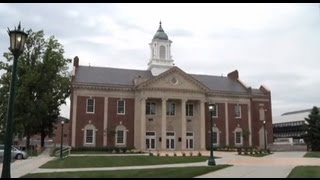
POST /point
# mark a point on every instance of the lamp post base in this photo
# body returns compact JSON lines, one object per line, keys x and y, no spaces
{"x":211,"y":161}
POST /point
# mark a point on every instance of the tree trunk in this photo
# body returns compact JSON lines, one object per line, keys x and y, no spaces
{"x":43,"y":136}
{"x":28,"y":142}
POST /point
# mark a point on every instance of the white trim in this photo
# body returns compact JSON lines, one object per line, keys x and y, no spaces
{"x":94,"y":105}
{"x":187,"y":114}
{"x":227,"y":123}
{"x":155,"y":108}
{"x":94,"y":129}
{"x":124,"y":129}
{"x":168,"y":106}
{"x":189,"y":138}
{"x":235,"y":137}
{"x":215,"y":129}
{"x":152,"y":137}
{"x":217,"y":112}
{"x":105,"y":122}
{"x":124,"y":107}
{"x":238,"y":105}
{"x":74,"y":119}
{"x":171,"y":137}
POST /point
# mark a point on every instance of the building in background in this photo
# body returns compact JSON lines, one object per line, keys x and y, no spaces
{"x":289,"y":126}
{"x":163,"y":107}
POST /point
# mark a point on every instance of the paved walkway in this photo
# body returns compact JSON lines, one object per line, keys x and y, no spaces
{"x":22,"y":167}
{"x":277,"y":165}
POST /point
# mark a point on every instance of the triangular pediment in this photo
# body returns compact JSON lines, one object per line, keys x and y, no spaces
{"x":174,"y":79}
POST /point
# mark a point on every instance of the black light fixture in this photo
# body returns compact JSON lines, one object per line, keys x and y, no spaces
{"x":17,"y":40}
{"x":211,"y":161}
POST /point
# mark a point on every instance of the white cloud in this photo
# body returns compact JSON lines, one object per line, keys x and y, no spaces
{"x":272,"y":44}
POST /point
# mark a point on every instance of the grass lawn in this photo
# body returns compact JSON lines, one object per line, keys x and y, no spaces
{"x":314,"y":154}
{"x":109,"y":161}
{"x":180,"y":172}
{"x":305,"y":172}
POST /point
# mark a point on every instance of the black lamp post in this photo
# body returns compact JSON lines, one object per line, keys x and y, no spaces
{"x":61,"y":143}
{"x":211,"y":161}
{"x":264,"y":135}
{"x":17,"y":40}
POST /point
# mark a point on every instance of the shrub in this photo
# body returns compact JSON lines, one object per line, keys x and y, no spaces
{"x":150,"y":154}
{"x":190,"y":153}
{"x":199,"y":153}
{"x":183,"y":154}
{"x":174,"y":154}
{"x":167,"y":154}
{"x":158,"y":154}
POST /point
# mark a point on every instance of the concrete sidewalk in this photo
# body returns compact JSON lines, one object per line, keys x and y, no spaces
{"x":22,"y":167}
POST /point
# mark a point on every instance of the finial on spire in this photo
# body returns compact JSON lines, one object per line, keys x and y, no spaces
{"x":160,"y":23}
{"x":19,"y":26}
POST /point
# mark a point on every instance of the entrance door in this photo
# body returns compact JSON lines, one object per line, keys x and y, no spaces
{"x":151,"y":140}
{"x":170,"y":141}
{"x":189,"y":140}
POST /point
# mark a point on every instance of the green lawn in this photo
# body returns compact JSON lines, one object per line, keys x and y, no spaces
{"x":181,"y":172}
{"x":314,"y":154}
{"x":305,"y":172}
{"x":109,"y":161}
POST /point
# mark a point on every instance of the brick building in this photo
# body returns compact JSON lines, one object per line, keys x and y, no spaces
{"x":163,"y":107}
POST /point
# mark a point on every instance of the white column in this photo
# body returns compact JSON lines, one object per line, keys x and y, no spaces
{"x":164,"y":123}
{"x":105,"y":121}
{"x":202,"y":125}
{"x":227,"y":123}
{"x":74,"y":117}
{"x":143,"y":124}
{"x":183,"y":124}
{"x":249,"y":123}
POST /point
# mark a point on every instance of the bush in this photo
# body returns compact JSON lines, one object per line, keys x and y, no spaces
{"x":174,"y":154}
{"x":150,"y":154}
{"x":190,"y":153}
{"x":167,"y":154}
{"x":183,"y":154}
{"x":199,"y":153}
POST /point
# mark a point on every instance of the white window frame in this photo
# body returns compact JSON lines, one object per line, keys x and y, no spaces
{"x":87,"y":104}
{"x":216,"y":110}
{"x":124,"y":107}
{"x":235,"y":138}
{"x":86,"y":135}
{"x":155,"y":108}
{"x":168,"y":109}
{"x":94,"y":129}
{"x":235,"y":109}
{"x":188,"y":108}
{"x":152,"y":137}
{"x":174,"y":140}
{"x":188,"y":138}
{"x":124,"y":137}
{"x":216,"y":130}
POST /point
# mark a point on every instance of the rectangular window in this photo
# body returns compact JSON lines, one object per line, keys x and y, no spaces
{"x":238,"y":111}
{"x":90,"y":105}
{"x":261,"y":114}
{"x":238,"y":138}
{"x":171,"y":109}
{"x":150,"y":108}
{"x":189,"y":109}
{"x":120,"y":137}
{"x":89,"y":136}
{"x":121,"y":107}
{"x":215,"y":111}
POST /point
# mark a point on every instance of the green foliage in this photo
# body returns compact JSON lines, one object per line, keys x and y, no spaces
{"x":312,"y":128}
{"x":43,"y":84}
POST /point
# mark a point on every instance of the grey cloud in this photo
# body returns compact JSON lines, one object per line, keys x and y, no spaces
{"x":180,"y":32}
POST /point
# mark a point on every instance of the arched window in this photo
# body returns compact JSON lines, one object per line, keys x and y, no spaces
{"x":162,"y":52}
{"x":238,"y":140}
{"x":89,"y":138}
{"x":121,"y":136}
{"x":215,"y":136}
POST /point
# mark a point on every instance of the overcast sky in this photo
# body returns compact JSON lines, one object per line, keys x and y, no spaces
{"x":276,"y":45}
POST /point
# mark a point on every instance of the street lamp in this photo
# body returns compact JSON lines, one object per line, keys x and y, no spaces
{"x":17,"y":40}
{"x":264,"y":135}
{"x":62,"y":122}
{"x":211,"y":161}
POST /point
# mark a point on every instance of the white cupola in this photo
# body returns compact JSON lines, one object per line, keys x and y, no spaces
{"x":161,"y":59}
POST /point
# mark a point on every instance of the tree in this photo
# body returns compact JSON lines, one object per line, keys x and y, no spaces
{"x":312,"y":128}
{"x":43,"y":84}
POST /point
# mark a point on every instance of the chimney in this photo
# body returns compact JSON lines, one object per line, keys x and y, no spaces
{"x":234,"y":75}
{"x":76,"y":61}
